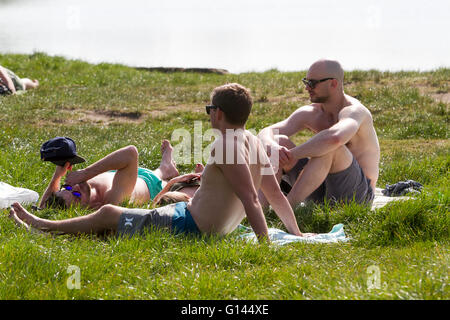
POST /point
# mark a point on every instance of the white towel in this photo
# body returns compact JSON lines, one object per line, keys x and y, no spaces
{"x":10,"y":194}
{"x":280,"y":237}
{"x":381,"y":200}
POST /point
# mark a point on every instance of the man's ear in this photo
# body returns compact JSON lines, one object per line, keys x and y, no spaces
{"x":334,"y":83}
{"x":220,"y":114}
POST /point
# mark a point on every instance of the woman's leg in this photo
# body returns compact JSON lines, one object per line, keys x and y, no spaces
{"x":104,"y":219}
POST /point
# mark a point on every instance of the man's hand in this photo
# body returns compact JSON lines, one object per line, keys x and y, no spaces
{"x":75,"y":177}
{"x":61,"y":171}
{"x":285,"y":157}
{"x":186,"y":177}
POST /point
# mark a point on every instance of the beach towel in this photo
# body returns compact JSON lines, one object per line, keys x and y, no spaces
{"x":381,"y":200}
{"x":10,"y":194}
{"x":337,"y":234}
{"x":280,"y":237}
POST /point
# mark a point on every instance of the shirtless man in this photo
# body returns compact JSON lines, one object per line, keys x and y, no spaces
{"x":227,"y":194}
{"x":110,"y":180}
{"x":329,"y":164}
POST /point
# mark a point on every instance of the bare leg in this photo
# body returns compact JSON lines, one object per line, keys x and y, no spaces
{"x":316,"y":171}
{"x":104,"y":219}
{"x":30,"y":84}
{"x":167,"y":168}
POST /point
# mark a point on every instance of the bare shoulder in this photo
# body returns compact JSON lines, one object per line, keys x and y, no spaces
{"x":354,"y":108}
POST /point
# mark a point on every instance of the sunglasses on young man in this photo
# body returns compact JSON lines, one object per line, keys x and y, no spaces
{"x":208,"y":108}
{"x":313,"y":83}
{"x":69,"y":188}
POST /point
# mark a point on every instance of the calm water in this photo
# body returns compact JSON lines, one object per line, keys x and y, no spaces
{"x":244,"y":35}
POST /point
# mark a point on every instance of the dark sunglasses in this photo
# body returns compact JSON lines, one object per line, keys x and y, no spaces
{"x":208,"y":108}
{"x":313,"y":83}
{"x":69,"y":188}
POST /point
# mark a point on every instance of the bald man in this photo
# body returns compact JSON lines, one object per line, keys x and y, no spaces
{"x":341,"y":161}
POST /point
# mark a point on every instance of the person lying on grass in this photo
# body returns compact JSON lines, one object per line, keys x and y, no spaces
{"x":341,"y":161}
{"x":10,"y":83}
{"x":227,"y":194}
{"x":116,"y":178}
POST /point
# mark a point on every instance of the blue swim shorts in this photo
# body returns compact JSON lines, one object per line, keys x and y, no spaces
{"x":175,"y":218}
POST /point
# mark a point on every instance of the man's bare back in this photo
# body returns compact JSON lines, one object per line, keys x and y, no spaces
{"x":207,"y":207}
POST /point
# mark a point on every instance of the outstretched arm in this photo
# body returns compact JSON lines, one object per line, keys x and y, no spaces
{"x":271,"y":190}
{"x":54,"y":184}
{"x":171,"y":182}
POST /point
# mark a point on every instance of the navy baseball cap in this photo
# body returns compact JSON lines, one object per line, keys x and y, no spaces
{"x":60,"y":150}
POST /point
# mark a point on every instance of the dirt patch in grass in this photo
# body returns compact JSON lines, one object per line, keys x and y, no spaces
{"x":108,"y":116}
{"x":164,"y":111}
{"x":441,"y":97}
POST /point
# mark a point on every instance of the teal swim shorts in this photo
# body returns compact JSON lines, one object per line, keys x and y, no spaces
{"x":153,"y":182}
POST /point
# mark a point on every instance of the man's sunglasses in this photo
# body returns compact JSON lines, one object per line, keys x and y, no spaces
{"x":69,"y":188}
{"x":313,"y":83}
{"x":208,"y":108}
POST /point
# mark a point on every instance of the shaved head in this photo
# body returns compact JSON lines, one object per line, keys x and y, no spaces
{"x":326,"y":69}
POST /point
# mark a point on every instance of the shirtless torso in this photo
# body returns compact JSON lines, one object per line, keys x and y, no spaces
{"x":102,"y":185}
{"x":221,"y":212}
{"x":363,"y":144}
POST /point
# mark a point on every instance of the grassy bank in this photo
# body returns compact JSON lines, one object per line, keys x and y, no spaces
{"x":104,"y":107}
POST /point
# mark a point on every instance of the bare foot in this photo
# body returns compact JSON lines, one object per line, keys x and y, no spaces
{"x":168,"y":167}
{"x":199,"y":168}
{"x":36,"y":83}
{"x":19,"y":223}
{"x":27,"y":219}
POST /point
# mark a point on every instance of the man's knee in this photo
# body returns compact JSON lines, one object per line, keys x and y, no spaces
{"x":341,"y":159}
{"x":108,"y":216}
{"x":108,"y":210}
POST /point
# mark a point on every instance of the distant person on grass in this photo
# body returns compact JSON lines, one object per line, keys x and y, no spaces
{"x":110,"y":180}
{"x":10,"y":83}
{"x":228,"y":192}
{"x":340,"y":162}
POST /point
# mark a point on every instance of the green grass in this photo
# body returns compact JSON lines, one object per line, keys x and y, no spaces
{"x":104,"y":107}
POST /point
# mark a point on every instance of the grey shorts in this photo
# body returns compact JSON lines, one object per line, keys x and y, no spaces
{"x":174,"y":218}
{"x":347,"y":185}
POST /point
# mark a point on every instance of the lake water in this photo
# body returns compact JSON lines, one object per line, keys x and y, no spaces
{"x":240,"y":36}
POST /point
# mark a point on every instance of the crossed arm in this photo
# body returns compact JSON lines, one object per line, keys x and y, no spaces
{"x":325,"y":141}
